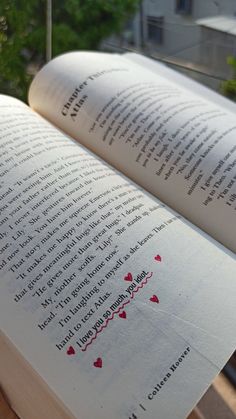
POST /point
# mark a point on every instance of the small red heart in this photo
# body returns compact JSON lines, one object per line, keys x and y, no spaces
{"x":70,"y":351}
{"x":98,"y":363}
{"x":157,"y":258}
{"x":122,"y":315}
{"x":128,"y":277}
{"x":154,"y":299}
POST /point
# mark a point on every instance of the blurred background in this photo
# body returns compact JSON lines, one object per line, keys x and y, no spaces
{"x":195,"y":37}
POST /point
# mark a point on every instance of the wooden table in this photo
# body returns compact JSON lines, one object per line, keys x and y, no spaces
{"x":5,"y":411}
{"x":219,"y":402}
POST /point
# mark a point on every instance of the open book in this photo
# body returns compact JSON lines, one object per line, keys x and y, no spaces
{"x":117,"y":240}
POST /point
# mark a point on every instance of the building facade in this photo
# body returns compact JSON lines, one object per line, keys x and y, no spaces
{"x":174,"y":30}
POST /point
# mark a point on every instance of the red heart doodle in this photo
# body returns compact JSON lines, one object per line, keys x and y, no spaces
{"x":122,"y":315}
{"x":154,"y":299}
{"x":128,"y":277}
{"x":70,"y":351}
{"x":157,"y":258}
{"x":98,"y":363}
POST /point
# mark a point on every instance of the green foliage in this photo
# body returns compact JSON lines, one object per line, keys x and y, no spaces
{"x":229,"y":86}
{"x":77,"y":25}
{"x":232,"y":61}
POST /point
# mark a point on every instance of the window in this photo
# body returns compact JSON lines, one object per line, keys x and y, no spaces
{"x":128,"y":32}
{"x":184,"y":7}
{"x":155,"y":29}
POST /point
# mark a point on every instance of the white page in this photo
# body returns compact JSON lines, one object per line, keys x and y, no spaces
{"x":80,"y":244}
{"x":182,"y":80}
{"x":173,"y":143}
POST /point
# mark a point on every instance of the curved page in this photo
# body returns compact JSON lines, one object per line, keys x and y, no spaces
{"x":172,"y":142}
{"x":122,"y":307}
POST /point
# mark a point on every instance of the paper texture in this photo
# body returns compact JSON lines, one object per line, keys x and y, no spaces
{"x":119,"y":304}
{"x":172,"y":142}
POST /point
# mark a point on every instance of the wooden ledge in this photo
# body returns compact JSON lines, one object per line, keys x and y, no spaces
{"x":219,"y":402}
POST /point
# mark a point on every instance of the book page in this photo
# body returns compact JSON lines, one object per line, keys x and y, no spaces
{"x":164,"y":70}
{"x":121,"y":306}
{"x":172,"y":142}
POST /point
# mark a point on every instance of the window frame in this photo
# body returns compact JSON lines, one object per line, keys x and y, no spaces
{"x":157,"y":29}
{"x":184,"y":7}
